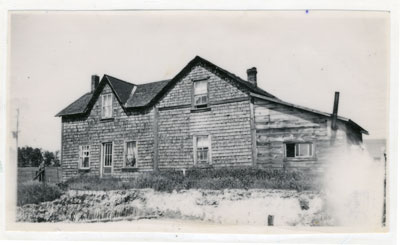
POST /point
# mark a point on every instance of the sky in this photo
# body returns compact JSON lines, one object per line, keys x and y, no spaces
{"x":301,"y":57}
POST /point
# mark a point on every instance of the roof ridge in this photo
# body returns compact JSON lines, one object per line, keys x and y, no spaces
{"x":238,"y":79}
{"x":165,"y":80}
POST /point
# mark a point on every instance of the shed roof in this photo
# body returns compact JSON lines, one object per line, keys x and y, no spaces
{"x":303,"y":108}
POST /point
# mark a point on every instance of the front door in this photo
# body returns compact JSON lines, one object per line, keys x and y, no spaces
{"x":107,"y":158}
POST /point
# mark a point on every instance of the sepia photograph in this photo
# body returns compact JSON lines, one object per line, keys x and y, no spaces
{"x":263,"y":122}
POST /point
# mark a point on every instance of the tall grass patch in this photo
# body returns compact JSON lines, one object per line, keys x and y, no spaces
{"x":212,"y":179}
{"x":36,"y":192}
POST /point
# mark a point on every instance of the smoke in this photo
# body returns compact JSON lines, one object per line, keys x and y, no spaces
{"x":354,"y":186}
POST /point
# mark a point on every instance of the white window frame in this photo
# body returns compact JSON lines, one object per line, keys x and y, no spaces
{"x":82,"y":150}
{"x":296,"y":150}
{"x":205,"y":104}
{"x":195,"y":150}
{"x":135,"y":152}
{"x":107,"y":102}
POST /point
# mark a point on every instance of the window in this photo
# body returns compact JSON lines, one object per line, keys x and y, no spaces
{"x":106,"y":106}
{"x":84,"y":156}
{"x":131,"y":154}
{"x":107,"y":157}
{"x":299,"y":150}
{"x":200,"y":91}
{"x":202,"y":149}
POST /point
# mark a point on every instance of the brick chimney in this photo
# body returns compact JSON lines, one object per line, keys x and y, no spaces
{"x":252,"y":75}
{"x":95,"y":82}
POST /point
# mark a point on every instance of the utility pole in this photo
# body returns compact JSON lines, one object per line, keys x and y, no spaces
{"x":16,"y":132}
{"x":384,"y":193}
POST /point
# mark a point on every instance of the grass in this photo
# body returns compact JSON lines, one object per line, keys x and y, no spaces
{"x":214,"y":179}
{"x":35,"y":192}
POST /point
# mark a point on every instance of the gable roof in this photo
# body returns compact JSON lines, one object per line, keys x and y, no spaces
{"x":230,"y":76}
{"x":139,"y":96}
{"x":122,"y":89}
{"x":131,"y":96}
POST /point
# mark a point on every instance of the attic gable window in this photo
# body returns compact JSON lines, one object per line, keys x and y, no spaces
{"x":298,"y":150}
{"x":200,"y":93}
{"x":106,"y":106}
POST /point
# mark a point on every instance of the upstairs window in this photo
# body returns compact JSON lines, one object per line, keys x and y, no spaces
{"x":299,"y":150}
{"x":200,"y":96}
{"x":131,"y":154}
{"x":106,"y":106}
{"x":202,"y":149}
{"x":84,"y":157}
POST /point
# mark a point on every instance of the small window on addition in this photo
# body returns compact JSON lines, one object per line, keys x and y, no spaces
{"x":200,"y":94}
{"x":131,"y":154}
{"x":299,"y":150}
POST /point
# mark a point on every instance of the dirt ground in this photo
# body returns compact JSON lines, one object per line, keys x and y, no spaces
{"x":227,"y":207}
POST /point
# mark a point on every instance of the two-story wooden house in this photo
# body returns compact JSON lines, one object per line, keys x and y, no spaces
{"x":204,"y":116}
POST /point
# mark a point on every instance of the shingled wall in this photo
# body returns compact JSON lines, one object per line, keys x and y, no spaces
{"x":228,"y":123}
{"x":243,"y":131}
{"x":92,"y":130}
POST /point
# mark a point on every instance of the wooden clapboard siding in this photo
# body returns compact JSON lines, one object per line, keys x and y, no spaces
{"x":276,"y":124}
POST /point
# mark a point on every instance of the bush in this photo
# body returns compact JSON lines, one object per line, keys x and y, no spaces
{"x":35,"y":192}
{"x":214,"y":179}
{"x":250,"y":178}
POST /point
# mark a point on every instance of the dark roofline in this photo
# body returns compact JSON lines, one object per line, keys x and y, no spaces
{"x":246,"y":86}
{"x":235,"y":78}
{"x":106,"y":75}
{"x":215,"y":69}
{"x":95,"y":94}
{"x":252,"y":90}
{"x":100,"y":87}
{"x":343,"y":119}
{"x":112,"y":87}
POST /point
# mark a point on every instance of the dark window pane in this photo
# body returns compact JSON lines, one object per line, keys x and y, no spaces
{"x":290,"y":150}
{"x":85,"y":162}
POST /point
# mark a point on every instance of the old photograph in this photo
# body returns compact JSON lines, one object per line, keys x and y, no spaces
{"x":172,"y":121}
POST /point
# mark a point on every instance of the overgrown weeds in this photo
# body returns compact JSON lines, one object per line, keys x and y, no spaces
{"x":36,"y":192}
{"x":213,"y":179}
